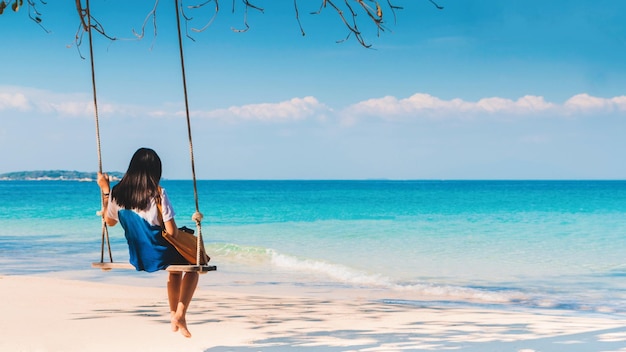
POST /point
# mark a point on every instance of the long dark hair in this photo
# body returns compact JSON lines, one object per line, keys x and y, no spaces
{"x":141,"y":182}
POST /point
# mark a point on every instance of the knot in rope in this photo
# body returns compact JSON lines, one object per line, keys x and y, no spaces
{"x":197,"y":217}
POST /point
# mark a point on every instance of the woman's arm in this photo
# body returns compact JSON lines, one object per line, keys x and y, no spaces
{"x":105,"y":187}
{"x":170,"y":227}
{"x":167,"y":212}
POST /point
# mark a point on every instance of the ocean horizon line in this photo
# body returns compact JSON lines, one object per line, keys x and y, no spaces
{"x":90,"y":176}
{"x":61,"y":179}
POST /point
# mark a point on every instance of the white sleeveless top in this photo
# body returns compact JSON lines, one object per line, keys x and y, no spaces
{"x":151,"y":215}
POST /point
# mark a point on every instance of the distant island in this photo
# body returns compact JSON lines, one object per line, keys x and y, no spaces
{"x":56,"y":175}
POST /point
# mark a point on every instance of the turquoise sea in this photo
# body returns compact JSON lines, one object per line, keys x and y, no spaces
{"x":522,"y":245}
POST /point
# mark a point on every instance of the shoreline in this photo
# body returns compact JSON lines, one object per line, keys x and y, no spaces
{"x":52,"y":314}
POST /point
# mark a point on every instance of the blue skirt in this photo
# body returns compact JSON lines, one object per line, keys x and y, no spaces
{"x":148,"y":250}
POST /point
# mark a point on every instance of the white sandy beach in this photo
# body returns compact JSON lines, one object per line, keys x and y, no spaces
{"x":48,"y":314}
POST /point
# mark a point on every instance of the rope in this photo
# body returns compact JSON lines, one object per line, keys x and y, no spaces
{"x":197,"y":216}
{"x":105,"y":230}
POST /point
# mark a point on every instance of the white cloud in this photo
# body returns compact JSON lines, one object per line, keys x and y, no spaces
{"x":422,"y":105}
{"x":419,"y":105}
{"x":585,"y":103}
{"x":62,"y":104}
{"x":290,"y":110}
{"x":16,"y":101}
{"x":77,"y":106}
{"x":620,"y":102}
{"x":582,"y":102}
{"x":428,"y":105}
{"x":30,"y":99}
{"x":391,"y":106}
{"x":71,"y":108}
{"x":527,"y":104}
{"x":159,"y":113}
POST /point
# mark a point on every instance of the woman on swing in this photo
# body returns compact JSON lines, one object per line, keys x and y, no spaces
{"x":132,"y":202}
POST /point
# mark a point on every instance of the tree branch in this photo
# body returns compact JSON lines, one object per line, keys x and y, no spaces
{"x":348,"y":15}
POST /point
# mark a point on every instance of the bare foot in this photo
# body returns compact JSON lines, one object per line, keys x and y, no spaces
{"x":174,"y":323}
{"x":185,"y":332}
{"x":180,"y":325}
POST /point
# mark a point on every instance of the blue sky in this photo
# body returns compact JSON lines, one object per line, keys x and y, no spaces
{"x":483,"y":89}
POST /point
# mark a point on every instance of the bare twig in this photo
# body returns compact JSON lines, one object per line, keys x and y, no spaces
{"x":87,"y":22}
{"x":393,"y":9}
{"x":245,"y":16}
{"x":217,"y":9}
{"x":151,"y":14}
{"x":295,"y":5}
{"x":437,"y":6}
{"x":348,"y":15}
{"x":34,"y":14}
{"x":187,"y":20}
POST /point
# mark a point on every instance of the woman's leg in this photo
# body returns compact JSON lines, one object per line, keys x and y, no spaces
{"x":173,"y":294}
{"x":187,"y":289}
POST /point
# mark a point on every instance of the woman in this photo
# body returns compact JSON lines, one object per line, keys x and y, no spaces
{"x":132,"y":203}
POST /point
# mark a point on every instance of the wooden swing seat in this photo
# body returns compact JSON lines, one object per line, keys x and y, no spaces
{"x":202,"y":269}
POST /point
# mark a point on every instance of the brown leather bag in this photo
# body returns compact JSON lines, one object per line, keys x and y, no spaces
{"x":185,"y":243}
